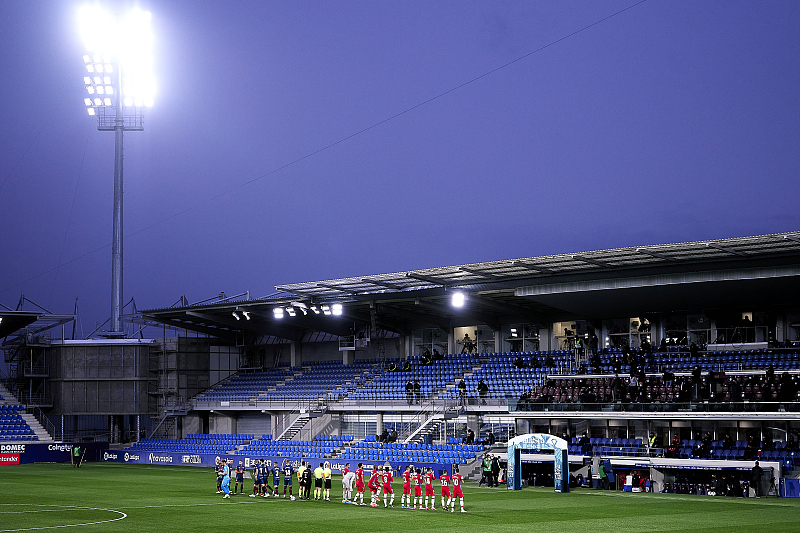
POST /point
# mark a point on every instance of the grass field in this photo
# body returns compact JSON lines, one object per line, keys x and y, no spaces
{"x":122,"y":498}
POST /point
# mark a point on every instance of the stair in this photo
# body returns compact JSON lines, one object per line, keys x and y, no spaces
{"x":295,"y":428}
{"x":8,"y":398}
{"x":473,"y":471}
{"x":37,"y":428}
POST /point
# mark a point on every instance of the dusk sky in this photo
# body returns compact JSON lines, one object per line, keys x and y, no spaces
{"x":668,"y":122}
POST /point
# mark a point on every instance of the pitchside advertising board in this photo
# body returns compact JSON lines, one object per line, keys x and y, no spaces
{"x":209,"y":460}
{"x":54,"y":452}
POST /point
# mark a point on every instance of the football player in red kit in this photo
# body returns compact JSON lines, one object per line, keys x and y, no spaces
{"x":418,"y":488}
{"x":457,"y":482}
{"x":388,"y":491}
{"x":405,"y":499}
{"x":359,"y":484}
{"x":429,"y":494}
{"x":444,"y":479}
{"x":374,"y":488}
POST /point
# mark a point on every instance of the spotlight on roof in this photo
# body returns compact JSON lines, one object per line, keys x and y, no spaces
{"x":315,"y":309}
{"x":326,"y":310}
{"x":246,"y":314}
{"x":304,"y":310}
{"x":278,"y":312}
{"x":236,"y":315}
{"x":336,"y":309}
{"x":458,"y":299}
{"x":290,"y":310}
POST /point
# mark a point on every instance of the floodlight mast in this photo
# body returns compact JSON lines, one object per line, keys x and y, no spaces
{"x":115,"y":328}
{"x":113,"y":46}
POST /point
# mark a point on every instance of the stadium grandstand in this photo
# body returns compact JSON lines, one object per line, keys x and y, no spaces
{"x":670,"y":359}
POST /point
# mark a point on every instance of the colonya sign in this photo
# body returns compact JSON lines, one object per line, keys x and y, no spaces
{"x":538,"y":441}
{"x":53,"y":452}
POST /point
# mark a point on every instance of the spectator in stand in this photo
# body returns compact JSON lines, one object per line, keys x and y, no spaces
{"x":470,"y":436}
{"x":667,"y":377}
{"x":727,"y":442}
{"x":694,"y":350}
{"x":393,"y":435}
{"x":633,"y":387}
{"x":535,"y":362}
{"x":616,"y":364}
{"x":409,"y":392}
{"x":519,"y":363}
{"x":483,"y":388}
{"x":417,"y":392}
{"x":616,"y":388}
{"x":596,"y":363}
{"x":585,"y":444}
{"x":549,"y":362}
{"x":490,"y":440}
{"x":462,"y":392}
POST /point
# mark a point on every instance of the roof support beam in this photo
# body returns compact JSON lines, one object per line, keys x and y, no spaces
{"x":476,"y":272}
{"x":591,"y":261}
{"x":429,"y":279}
{"x":337,"y":288}
{"x":658,"y":255}
{"x":381,"y":283}
{"x":725,"y":249}
{"x":531,"y":266}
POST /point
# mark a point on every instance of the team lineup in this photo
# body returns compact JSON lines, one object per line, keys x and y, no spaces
{"x":418,"y":486}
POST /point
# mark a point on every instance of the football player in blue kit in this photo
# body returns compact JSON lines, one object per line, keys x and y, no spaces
{"x":276,"y":478}
{"x":256,"y":478}
{"x":288,"y":474}
{"x":239,"y":479}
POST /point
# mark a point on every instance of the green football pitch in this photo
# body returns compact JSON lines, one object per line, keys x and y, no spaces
{"x":121,"y":498}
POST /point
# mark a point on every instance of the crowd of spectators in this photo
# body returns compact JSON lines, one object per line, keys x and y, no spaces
{"x":666,"y":387}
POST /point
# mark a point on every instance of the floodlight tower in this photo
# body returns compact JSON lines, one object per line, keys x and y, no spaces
{"x":119,"y":80}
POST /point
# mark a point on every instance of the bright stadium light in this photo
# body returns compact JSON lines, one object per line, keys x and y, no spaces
{"x":117,"y":60}
{"x":458,"y":299}
{"x":336,"y":309}
{"x":278,"y":312}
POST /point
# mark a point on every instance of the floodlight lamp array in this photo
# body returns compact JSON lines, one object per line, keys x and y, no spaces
{"x":117,"y":46}
{"x":335,"y":309}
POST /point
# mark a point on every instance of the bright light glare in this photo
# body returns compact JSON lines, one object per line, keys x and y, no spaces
{"x":278,"y":312}
{"x":107,"y":102}
{"x":125,"y":40}
{"x":336,"y":309}
{"x":458,"y":299}
{"x":90,"y":89}
{"x":91,"y":111}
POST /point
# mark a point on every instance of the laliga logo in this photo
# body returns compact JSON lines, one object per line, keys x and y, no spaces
{"x":111,"y":456}
{"x":126,"y":457}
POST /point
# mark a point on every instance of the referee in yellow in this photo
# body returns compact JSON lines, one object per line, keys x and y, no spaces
{"x":326,"y":476}
{"x":319,"y":472}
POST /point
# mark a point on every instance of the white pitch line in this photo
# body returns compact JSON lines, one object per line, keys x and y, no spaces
{"x":62,"y":508}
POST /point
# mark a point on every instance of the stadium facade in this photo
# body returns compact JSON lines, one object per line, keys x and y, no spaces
{"x":316,"y":358}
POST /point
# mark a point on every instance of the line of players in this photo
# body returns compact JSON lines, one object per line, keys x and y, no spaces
{"x":423,"y":496}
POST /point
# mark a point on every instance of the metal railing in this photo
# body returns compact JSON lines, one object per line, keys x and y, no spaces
{"x":48,"y":426}
{"x":657,"y":407}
